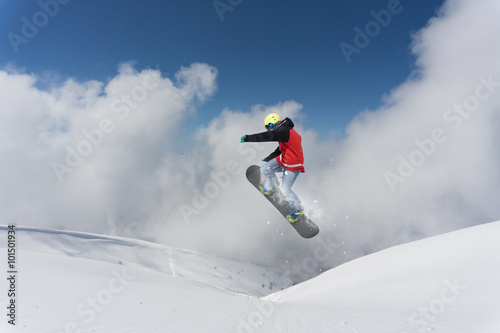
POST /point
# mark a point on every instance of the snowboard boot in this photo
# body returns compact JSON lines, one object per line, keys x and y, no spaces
{"x":264,"y":190}
{"x":294,"y":217}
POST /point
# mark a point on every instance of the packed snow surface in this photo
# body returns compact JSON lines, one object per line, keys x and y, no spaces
{"x":79,"y":282}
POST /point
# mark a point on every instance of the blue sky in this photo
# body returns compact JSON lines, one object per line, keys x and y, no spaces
{"x":266,"y":52}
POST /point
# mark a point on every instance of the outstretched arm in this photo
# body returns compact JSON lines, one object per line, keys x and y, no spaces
{"x":268,"y":136}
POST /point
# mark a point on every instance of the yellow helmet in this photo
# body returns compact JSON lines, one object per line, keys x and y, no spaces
{"x":271,"y":119}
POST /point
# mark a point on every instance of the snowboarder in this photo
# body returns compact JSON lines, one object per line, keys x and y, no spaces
{"x":287,"y":158}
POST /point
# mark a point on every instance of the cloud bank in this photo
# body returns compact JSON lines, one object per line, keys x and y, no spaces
{"x":105,"y":157}
{"x":85,"y":155}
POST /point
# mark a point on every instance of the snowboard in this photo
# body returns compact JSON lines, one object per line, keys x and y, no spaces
{"x":304,"y":226}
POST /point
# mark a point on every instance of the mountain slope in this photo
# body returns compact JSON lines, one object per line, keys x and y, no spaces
{"x":447,"y":283}
{"x":77,"y":282}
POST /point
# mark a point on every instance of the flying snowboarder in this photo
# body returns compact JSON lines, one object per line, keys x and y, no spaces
{"x":287,"y":158}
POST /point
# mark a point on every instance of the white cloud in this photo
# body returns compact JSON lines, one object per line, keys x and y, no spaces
{"x":453,"y":100}
{"x":81,"y":154}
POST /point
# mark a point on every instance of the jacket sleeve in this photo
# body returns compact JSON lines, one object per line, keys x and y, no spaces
{"x":283,"y":135}
{"x":273,"y":155}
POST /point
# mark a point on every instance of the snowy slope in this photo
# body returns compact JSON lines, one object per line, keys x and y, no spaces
{"x":448,"y":283}
{"x":77,"y":282}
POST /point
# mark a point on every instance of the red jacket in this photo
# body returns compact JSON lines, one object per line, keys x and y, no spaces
{"x":289,"y":152}
{"x":292,"y":157}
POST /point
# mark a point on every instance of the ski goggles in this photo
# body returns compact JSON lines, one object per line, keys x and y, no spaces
{"x":271,"y":126}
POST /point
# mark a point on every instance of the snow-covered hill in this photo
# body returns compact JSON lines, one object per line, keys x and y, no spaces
{"x":78,"y":282}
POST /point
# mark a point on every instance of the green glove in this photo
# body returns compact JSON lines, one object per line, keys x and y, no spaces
{"x":243,"y":139}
